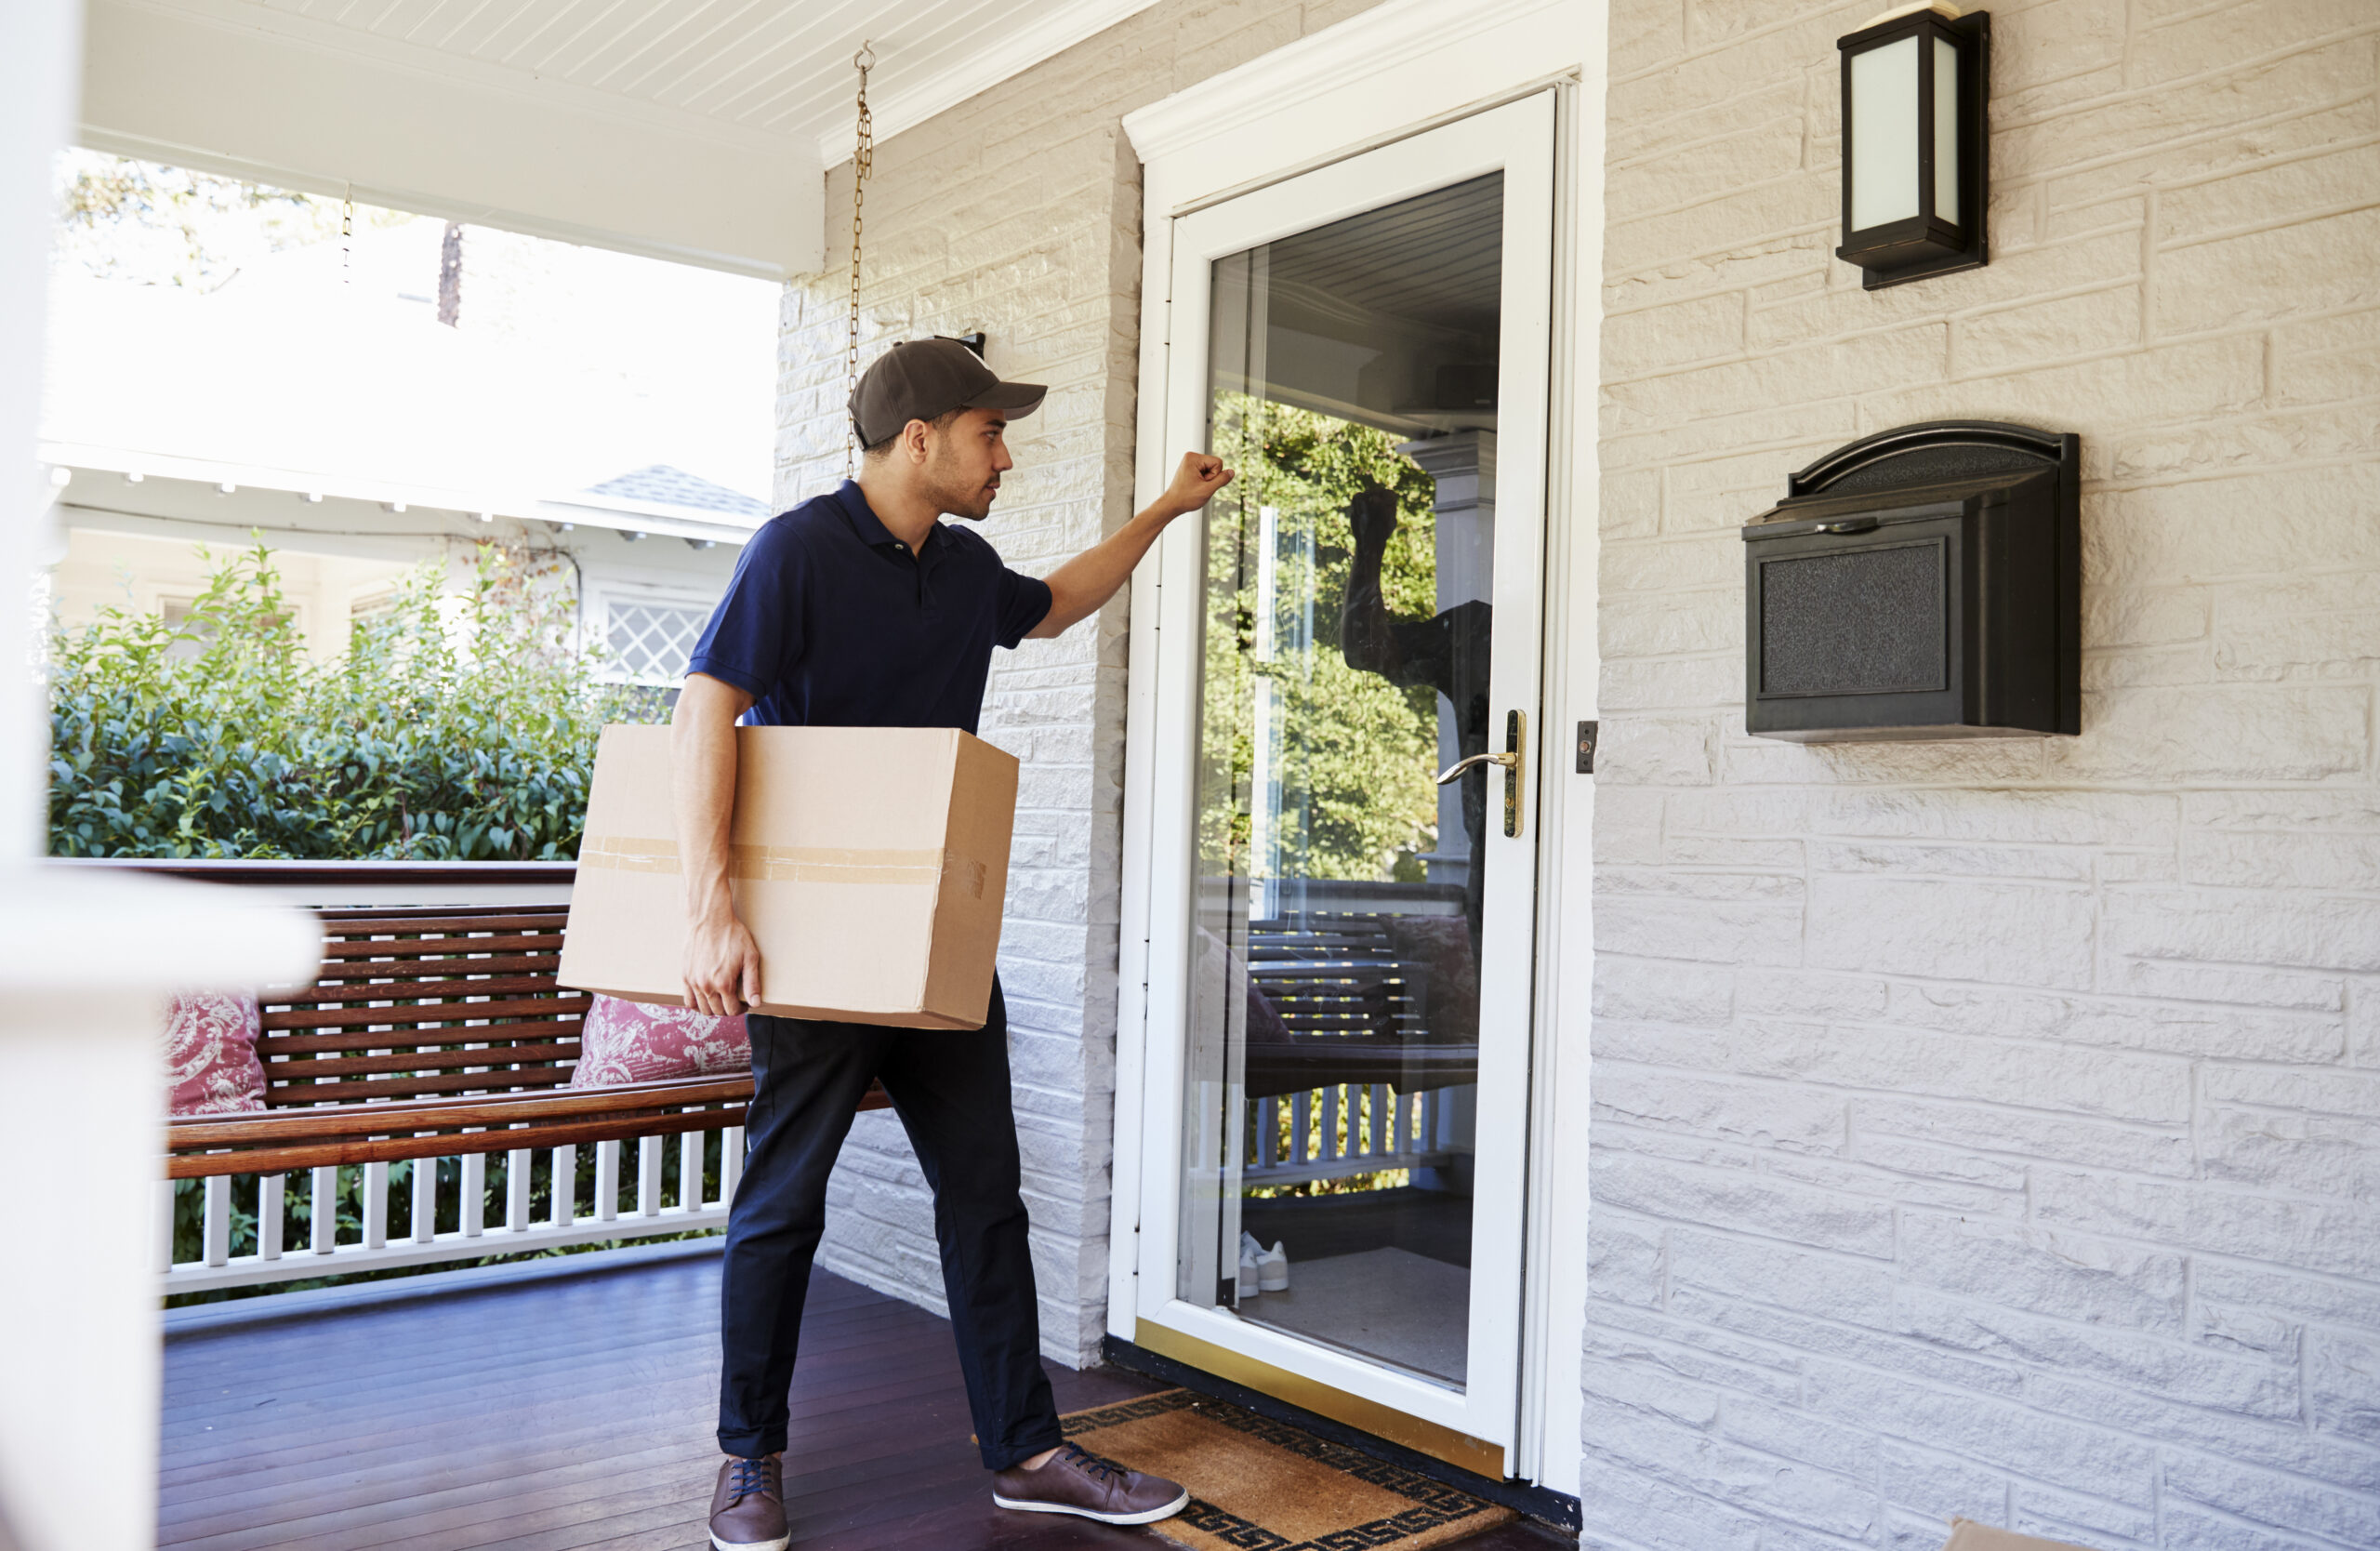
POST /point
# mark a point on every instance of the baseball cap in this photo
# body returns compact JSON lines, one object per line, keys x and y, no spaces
{"x":921,"y":379}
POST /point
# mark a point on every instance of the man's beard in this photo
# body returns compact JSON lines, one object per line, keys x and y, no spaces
{"x":955,"y":496}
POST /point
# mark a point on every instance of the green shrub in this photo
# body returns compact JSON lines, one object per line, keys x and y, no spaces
{"x":452,"y":729}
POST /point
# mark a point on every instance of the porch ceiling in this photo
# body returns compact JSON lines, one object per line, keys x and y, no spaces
{"x":696,"y":130}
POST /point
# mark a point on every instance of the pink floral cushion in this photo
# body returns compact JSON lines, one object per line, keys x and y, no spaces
{"x":638,"y":1042}
{"x":211,"y":1065}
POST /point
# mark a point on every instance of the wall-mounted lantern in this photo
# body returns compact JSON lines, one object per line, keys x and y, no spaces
{"x":1916,"y":163}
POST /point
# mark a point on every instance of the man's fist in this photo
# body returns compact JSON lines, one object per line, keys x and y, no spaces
{"x":1196,"y":482}
{"x":1372,"y":514}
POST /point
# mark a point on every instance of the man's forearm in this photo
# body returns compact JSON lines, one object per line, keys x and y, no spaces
{"x":1364,"y":636}
{"x":703,"y":783}
{"x":1082,"y":586}
{"x":723,"y":966}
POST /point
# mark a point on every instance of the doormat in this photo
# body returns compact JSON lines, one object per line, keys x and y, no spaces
{"x":1257,"y":1485}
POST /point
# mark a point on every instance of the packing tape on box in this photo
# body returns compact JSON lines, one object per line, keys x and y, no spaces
{"x":807,"y":864}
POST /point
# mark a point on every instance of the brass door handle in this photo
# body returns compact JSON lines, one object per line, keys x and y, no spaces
{"x":1516,"y":733}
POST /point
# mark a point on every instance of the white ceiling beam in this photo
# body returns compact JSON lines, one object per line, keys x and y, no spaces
{"x":277,"y":98}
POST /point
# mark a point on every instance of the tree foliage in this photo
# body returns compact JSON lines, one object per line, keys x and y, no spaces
{"x":451,"y":728}
{"x":1356,"y":751}
{"x":142,"y":221}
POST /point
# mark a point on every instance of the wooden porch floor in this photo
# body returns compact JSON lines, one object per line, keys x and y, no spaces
{"x":577,"y":1412}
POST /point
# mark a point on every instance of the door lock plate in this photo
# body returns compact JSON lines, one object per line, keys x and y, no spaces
{"x":1515,"y":734}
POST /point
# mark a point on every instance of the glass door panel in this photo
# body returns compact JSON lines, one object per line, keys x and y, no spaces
{"x":1332,"y":1081}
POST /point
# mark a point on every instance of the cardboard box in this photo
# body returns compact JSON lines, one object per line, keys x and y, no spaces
{"x":1967,"y":1535}
{"x":870,"y":864}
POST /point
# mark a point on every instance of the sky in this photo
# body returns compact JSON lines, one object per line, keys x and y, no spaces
{"x":189,"y":319}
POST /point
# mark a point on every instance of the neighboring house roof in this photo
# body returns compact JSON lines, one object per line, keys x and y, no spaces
{"x":659,"y":485}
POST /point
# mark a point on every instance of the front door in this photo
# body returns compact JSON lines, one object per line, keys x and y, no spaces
{"x":1343,"y":868}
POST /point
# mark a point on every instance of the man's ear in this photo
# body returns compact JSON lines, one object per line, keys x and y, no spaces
{"x":912,"y":440}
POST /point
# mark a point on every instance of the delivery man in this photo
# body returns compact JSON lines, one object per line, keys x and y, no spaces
{"x":863,"y":609}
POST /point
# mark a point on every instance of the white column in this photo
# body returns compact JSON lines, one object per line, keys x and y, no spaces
{"x":82,"y":1120}
{"x":92,"y":1371}
{"x":83,"y":1354}
{"x":1463,"y":465}
{"x":40,"y":62}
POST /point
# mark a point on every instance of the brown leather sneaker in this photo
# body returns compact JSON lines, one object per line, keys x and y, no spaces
{"x":747,"y":1508}
{"x":1072,"y":1481}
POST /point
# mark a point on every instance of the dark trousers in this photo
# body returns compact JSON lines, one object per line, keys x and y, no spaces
{"x":951,"y":1091}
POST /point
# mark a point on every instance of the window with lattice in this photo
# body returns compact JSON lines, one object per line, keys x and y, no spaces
{"x":650,"y":643}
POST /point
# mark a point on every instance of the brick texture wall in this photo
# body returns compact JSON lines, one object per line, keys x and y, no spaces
{"x":1994,"y":1129}
{"x":1018,"y":213}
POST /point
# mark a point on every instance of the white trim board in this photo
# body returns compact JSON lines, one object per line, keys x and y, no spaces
{"x":1387,"y":71}
{"x":1059,"y":25}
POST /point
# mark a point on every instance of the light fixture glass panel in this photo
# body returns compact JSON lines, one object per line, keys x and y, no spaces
{"x":1883,"y":133}
{"x":1945,"y":131}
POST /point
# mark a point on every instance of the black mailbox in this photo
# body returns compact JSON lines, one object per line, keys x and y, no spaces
{"x":1924,"y":582}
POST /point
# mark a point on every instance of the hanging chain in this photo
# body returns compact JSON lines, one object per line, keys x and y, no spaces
{"x":863,"y":162}
{"x":347,"y":236}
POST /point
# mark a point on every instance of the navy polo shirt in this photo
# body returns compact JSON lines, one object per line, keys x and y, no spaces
{"x":830,"y":621}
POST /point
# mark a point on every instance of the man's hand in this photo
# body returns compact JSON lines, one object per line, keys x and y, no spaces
{"x":1371,"y":516}
{"x":722,"y":968}
{"x":1194,"y":483}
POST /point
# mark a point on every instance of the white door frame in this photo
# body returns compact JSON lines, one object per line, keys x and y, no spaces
{"x":1399,"y":68}
{"x":1517,"y":140}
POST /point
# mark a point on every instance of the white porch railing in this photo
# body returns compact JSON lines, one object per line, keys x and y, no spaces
{"x":1351,"y":1129}
{"x":379,"y":1244}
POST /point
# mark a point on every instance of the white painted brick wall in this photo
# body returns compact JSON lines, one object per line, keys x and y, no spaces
{"x":1995,"y":1129}
{"x":1018,"y":213}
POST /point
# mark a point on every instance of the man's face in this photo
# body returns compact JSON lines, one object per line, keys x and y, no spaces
{"x":964,"y":462}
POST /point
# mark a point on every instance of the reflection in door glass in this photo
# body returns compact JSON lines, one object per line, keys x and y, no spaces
{"x":1334,"y":1018}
